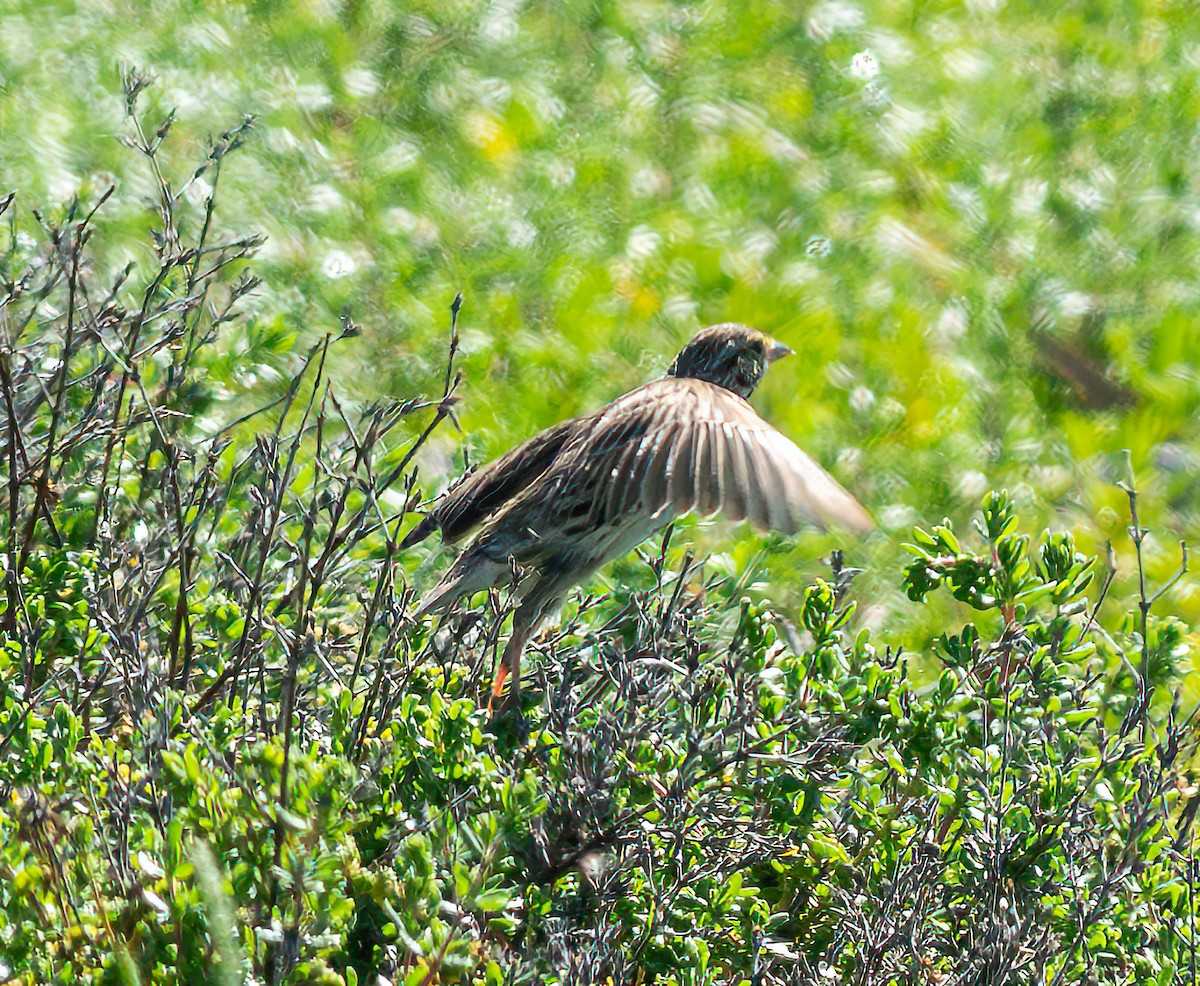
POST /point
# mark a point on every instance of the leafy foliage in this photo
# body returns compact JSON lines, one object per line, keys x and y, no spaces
{"x":227,"y":754}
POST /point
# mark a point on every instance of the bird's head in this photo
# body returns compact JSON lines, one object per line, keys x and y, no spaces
{"x":731,"y":355}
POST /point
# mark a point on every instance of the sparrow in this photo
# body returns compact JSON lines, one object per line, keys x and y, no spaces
{"x":590,"y":489}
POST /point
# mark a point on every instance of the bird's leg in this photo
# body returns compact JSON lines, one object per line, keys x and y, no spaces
{"x":503,"y":669}
{"x":546,"y":592}
{"x":510,"y":660}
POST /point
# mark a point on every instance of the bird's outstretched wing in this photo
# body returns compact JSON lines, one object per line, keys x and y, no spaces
{"x":490,"y":488}
{"x":677,"y":445}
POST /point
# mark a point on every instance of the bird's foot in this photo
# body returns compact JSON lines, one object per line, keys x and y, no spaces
{"x":507,"y":716}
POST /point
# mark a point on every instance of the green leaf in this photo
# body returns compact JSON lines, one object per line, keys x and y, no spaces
{"x":490,"y":901}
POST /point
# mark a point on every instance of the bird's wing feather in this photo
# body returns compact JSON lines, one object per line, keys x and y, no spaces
{"x":681,"y":444}
{"x":489,"y":489}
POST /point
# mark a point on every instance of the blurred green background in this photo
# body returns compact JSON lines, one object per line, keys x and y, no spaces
{"x":976,"y":223}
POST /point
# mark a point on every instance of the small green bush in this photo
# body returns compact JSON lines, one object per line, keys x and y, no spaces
{"x":226,"y":755}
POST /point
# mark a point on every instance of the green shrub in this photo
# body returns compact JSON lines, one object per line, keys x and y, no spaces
{"x":226,"y":753}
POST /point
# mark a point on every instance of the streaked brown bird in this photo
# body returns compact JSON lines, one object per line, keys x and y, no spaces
{"x":593,"y":488}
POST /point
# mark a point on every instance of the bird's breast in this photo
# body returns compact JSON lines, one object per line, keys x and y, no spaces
{"x":616,"y":538}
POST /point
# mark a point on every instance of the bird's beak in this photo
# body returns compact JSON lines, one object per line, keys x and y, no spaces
{"x":777,"y":350}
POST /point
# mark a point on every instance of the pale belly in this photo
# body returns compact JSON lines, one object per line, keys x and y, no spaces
{"x":618,"y":540}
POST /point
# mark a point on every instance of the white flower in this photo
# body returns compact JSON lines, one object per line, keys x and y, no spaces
{"x":650,"y":181}
{"x":862,"y":399}
{"x":643,"y":241}
{"x":897,"y":516}
{"x":494,"y":92}
{"x":313,"y":96}
{"x":560,"y":172}
{"x":499,"y":25}
{"x":338,"y":263}
{"x":875,"y":95}
{"x":680,"y":308}
{"x":324,"y":199}
{"x":521,"y":233}
{"x":827,"y":19}
{"x":1075,"y":303}
{"x":952,"y":322}
{"x":818,"y":246}
{"x":401,"y":156}
{"x":361,"y":82}
{"x":1085,"y":195}
{"x":971,"y":485}
{"x":864,"y":66}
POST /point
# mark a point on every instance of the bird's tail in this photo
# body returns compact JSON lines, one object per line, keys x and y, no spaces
{"x":472,"y":573}
{"x":429,"y":524}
